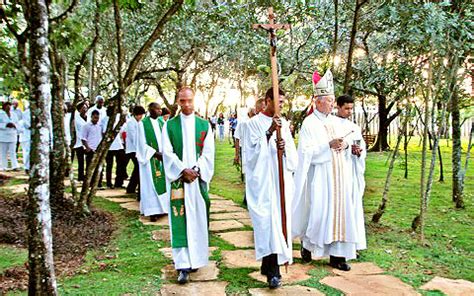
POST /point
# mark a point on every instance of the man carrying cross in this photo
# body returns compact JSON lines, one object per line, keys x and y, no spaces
{"x":188,"y":154}
{"x":263,"y":190}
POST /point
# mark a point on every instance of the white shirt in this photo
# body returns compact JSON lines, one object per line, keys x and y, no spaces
{"x":92,"y":134}
{"x":117,"y":144}
{"x":79,"y":124}
{"x":102,"y":113}
{"x":25,"y":123}
{"x":67,"y":128}
{"x":131,"y":135}
{"x":8,"y":134}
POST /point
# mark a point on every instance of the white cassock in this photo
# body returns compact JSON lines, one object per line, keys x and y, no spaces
{"x":240,"y":133}
{"x":67,"y":128}
{"x":358,"y":181}
{"x":196,"y":254}
{"x":262,"y":187}
{"x":79,"y":124}
{"x":323,"y":211}
{"x":150,"y":202}
{"x":8,"y":139}
{"x":25,"y":138}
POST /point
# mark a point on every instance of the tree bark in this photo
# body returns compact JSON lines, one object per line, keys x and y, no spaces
{"x":381,"y":144}
{"x":42,"y":280}
{"x":456,"y":152}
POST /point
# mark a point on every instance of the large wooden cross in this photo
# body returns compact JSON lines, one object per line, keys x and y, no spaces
{"x":271,"y":28}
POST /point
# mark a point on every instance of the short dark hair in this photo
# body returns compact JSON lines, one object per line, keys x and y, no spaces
{"x":80,"y":105}
{"x":153,"y":104}
{"x":344,"y":99}
{"x":138,"y":110}
{"x":165,"y":111}
{"x":269,"y":93}
{"x":95,"y":112}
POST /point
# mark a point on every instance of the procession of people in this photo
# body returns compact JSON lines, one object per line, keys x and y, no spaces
{"x":172,"y":160}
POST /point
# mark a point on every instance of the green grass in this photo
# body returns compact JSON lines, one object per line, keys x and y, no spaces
{"x":134,"y":264}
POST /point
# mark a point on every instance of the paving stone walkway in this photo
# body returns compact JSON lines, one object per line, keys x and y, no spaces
{"x":230,"y":222}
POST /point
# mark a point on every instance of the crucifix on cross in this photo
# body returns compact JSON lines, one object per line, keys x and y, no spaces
{"x":271,"y":28}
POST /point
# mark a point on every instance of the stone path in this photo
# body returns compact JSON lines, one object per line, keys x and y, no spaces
{"x":230,"y":222}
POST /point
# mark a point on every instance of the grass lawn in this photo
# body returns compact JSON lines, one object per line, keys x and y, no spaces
{"x":132,"y":263}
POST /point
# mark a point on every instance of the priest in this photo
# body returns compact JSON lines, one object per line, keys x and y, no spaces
{"x":188,"y":154}
{"x":154,"y":200}
{"x":262,"y":187}
{"x":323,"y":211}
{"x":355,"y":156}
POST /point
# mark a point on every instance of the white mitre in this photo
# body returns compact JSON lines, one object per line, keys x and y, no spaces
{"x":323,"y":86}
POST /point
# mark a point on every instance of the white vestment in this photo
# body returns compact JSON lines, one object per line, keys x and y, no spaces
{"x":358,"y":182}
{"x":79,"y":124}
{"x":25,"y":138}
{"x":8,"y":139}
{"x":151,"y":203}
{"x":262,"y":187}
{"x":323,"y":210}
{"x":240,"y":133}
{"x":196,"y":254}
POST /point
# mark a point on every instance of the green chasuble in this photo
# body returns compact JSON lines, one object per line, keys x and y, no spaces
{"x":178,"y":212}
{"x":157,"y":169}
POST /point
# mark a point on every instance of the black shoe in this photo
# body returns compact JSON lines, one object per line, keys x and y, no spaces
{"x":194,"y":270}
{"x":183,"y":277}
{"x":305,"y":254}
{"x":274,"y":282}
{"x":339,"y":263}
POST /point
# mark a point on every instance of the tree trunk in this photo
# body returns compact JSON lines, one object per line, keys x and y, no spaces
{"x":42,"y":280}
{"x":58,"y":160}
{"x":347,"y":78}
{"x":381,"y":144}
{"x":456,"y":152}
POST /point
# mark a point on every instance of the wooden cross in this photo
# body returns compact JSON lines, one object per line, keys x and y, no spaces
{"x":271,"y":28}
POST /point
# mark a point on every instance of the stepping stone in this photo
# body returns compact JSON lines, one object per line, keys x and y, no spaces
{"x":112,"y":193}
{"x":246,"y":221}
{"x":18,"y":188}
{"x":121,"y":199}
{"x":240,"y":239}
{"x":167,"y":252}
{"x":223,"y":202}
{"x":198,"y":288}
{"x":131,"y":206}
{"x":450,"y":287}
{"x":229,"y":216}
{"x":206,"y":273}
{"x":369,"y":285}
{"x":161,"y":235}
{"x":240,"y":259}
{"x":296,"y":273}
{"x":286,"y":291}
{"x":162,"y":221}
{"x":365,"y":268}
{"x":222,"y":225}
{"x":214,"y":197}
{"x":226,"y":208}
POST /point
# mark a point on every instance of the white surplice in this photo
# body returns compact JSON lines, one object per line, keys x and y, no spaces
{"x":196,"y":254}
{"x":262,"y":187}
{"x":151,"y":203}
{"x":323,"y":211}
{"x":358,"y":181}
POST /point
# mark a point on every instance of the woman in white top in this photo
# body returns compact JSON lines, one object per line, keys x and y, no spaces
{"x":8,"y":137}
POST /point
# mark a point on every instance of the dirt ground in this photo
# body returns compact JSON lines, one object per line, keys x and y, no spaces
{"x":73,"y":237}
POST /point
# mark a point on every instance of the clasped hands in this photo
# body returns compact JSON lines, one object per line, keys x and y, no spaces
{"x":189,"y":175}
{"x":275,"y":124}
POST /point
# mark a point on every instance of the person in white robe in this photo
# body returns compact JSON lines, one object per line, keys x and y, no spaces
{"x":80,"y":120}
{"x":154,"y":200}
{"x":9,"y":127}
{"x":131,"y":132}
{"x":323,"y":212}
{"x":25,"y":137}
{"x":262,"y":188}
{"x":355,"y":156}
{"x":188,"y":154}
{"x":68,"y":109}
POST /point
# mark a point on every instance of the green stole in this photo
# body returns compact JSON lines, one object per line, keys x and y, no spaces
{"x":177,"y":211}
{"x":157,"y":169}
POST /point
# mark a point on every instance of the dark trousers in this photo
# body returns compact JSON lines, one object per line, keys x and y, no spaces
{"x":89,"y":156}
{"x":80,"y":162}
{"x":135,"y":178}
{"x":270,"y":266}
{"x":120,"y":169}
